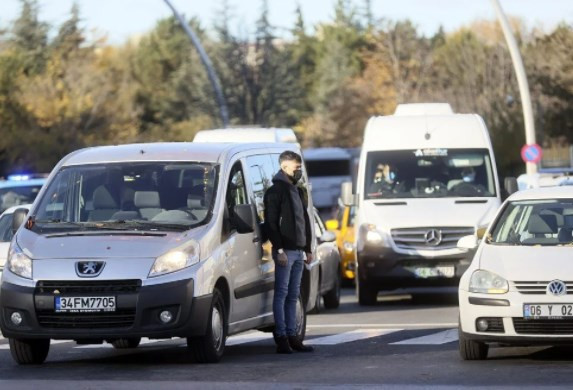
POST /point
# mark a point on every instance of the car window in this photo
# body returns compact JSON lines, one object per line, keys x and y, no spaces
{"x":6,"y":228}
{"x":236,"y":191}
{"x":261,"y":172}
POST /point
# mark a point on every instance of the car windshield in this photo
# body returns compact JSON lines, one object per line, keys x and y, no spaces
{"x":322,"y":168}
{"x":17,"y":195}
{"x":429,"y":173}
{"x":540,"y":222}
{"x":6,"y":228}
{"x":127,"y":196}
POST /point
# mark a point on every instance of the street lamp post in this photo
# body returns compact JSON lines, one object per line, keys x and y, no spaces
{"x":521,"y":81}
{"x":206,"y":63}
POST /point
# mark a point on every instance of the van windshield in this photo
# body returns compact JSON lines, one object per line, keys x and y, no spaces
{"x":429,"y":173}
{"x":535,"y":222}
{"x":128,"y":196}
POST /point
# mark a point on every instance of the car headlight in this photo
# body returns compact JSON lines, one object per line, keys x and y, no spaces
{"x":176,"y":260}
{"x":486,"y":282}
{"x":348,"y":246}
{"x":18,"y":263}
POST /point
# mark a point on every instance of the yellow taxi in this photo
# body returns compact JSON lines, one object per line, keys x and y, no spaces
{"x":343,"y":227}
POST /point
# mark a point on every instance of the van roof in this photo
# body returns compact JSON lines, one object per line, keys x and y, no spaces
{"x":164,"y":151}
{"x":247,"y":134}
{"x":396,"y":132}
{"x":326,"y":154}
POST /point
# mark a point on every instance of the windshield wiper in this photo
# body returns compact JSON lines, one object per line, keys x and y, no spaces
{"x":129,"y":224}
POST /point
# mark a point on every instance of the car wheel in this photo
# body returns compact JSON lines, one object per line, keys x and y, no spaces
{"x":332,"y":298}
{"x":367,"y":295}
{"x":471,"y":349}
{"x":29,"y":351}
{"x":316,"y":308}
{"x":210,"y":347}
{"x":126,"y":343}
{"x":300,"y":321}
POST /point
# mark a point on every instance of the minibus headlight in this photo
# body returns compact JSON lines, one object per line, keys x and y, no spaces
{"x":486,"y":282}
{"x":176,"y":260}
{"x":18,"y":263}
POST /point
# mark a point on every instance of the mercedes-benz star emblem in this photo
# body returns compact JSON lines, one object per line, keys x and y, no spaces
{"x":557,"y":288}
{"x":433,"y":237}
{"x":89,"y":269}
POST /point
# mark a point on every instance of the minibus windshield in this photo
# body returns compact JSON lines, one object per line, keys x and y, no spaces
{"x":429,"y":173}
{"x":128,"y":196}
{"x":535,"y":222}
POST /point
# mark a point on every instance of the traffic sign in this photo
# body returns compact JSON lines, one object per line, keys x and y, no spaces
{"x":531,"y":153}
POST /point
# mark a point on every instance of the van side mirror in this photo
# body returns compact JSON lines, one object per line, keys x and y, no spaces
{"x":18,"y":219}
{"x":346,"y":194}
{"x":244,"y":218}
{"x":510,"y":185}
{"x":468,"y":242}
{"x":332,"y":224}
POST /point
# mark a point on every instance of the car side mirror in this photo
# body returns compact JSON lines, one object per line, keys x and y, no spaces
{"x":328,"y":236}
{"x":244,"y":218}
{"x":468,"y":242}
{"x":346,"y":195}
{"x":332,"y":224}
{"x":18,"y":219}
{"x":510,"y":185}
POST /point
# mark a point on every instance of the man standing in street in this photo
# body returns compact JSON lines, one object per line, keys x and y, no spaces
{"x":289,"y":230}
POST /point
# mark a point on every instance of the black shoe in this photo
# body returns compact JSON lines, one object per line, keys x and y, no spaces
{"x":283,"y":345}
{"x":297,"y":345}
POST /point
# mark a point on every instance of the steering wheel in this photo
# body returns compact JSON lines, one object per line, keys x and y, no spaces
{"x":466,"y":189}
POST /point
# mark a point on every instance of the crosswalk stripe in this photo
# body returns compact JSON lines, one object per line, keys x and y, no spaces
{"x":354,"y":335}
{"x":444,"y":337}
{"x":247,"y":338}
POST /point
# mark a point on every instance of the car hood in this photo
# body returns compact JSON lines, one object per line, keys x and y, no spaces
{"x":528,"y":263}
{"x":405,"y":213}
{"x":101,"y":245}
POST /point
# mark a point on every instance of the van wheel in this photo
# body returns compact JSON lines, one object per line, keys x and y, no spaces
{"x":300,"y":321}
{"x":29,"y":351}
{"x":210,"y":347}
{"x":367,"y":296}
{"x":126,"y":343}
{"x":332,"y":298}
{"x":471,"y":349}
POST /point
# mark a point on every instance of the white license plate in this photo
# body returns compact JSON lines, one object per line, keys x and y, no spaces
{"x":548,"y":311}
{"x":435,"y":272}
{"x":84,"y":304}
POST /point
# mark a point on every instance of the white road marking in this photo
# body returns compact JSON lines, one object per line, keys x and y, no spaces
{"x":248,"y":338}
{"x":354,"y":335}
{"x":439,"y":338}
{"x":393,"y":326}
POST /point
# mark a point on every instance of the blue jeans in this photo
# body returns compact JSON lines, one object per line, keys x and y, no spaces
{"x":287,"y":290}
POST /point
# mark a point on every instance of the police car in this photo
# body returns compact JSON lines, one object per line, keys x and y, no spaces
{"x":20,"y":189}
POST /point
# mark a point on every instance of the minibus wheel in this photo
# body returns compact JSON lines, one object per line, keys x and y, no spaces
{"x":29,"y":351}
{"x":471,"y":349}
{"x":126,"y":343}
{"x":210,"y":347}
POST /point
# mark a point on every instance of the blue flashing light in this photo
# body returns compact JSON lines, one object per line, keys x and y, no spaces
{"x":19,"y":177}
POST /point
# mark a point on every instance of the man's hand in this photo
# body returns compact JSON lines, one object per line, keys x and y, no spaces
{"x":282,"y":259}
{"x":309,"y":258}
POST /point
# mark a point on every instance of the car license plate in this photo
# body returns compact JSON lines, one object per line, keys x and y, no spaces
{"x":84,"y":304}
{"x":435,"y":272}
{"x":548,"y":311}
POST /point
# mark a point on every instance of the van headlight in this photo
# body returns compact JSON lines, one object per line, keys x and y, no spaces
{"x":176,"y":260}
{"x":486,"y":282}
{"x":18,"y":263}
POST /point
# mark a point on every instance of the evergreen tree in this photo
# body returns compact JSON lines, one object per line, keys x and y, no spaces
{"x":30,"y":37}
{"x":70,"y":35}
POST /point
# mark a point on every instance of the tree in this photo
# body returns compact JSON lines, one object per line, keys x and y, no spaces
{"x":30,"y":37}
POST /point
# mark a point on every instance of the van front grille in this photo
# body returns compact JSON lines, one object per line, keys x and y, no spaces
{"x":430,"y":238}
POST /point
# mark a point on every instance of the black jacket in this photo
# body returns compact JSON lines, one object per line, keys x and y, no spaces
{"x":280,"y":219}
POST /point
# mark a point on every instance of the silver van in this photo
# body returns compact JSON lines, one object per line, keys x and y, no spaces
{"x":147,"y":240}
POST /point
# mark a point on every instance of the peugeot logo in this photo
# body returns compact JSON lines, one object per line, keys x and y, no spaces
{"x":557,"y":288}
{"x":89,"y":269}
{"x":433,"y":237}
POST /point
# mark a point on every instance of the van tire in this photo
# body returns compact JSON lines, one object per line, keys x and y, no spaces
{"x":332,"y":298}
{"x":471,"y":349}
{"x":367,"y":296}
{"x":126,"y":343}
{"x":210,"y":347}
{"x":29,"y":351}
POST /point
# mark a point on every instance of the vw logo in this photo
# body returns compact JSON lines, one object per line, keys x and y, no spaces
{"x":89,"y":269}
{"x":557,"y":288}
{"x":433,"y":237}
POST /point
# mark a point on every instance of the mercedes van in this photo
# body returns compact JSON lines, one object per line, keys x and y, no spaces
{"x":148,"y":240}
{"x":427,"y":177}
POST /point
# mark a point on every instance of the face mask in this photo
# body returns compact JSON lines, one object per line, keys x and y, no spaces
{"x":296,"y":176}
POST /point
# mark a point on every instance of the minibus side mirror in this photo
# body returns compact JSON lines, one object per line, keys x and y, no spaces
{"x":468,"y":242}
{"x":510,"y":185}
{"x":346,"y":194}
{"x":18,"y":219}
{"x":244,"y":218}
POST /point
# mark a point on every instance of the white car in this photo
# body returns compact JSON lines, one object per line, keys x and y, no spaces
{"x":6,"y":232}
{"x":519,"y":286}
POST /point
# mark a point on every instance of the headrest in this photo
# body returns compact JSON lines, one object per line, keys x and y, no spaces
{"x":125,"y":216}
{"x":102,"y":199}
{"x":542,"y":224}
{"x":568,"y":221}
{"x":147,"y":200}
{"x":195,"y":202}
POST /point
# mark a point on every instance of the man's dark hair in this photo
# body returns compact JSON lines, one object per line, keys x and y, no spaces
{"x":289,"y":156}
